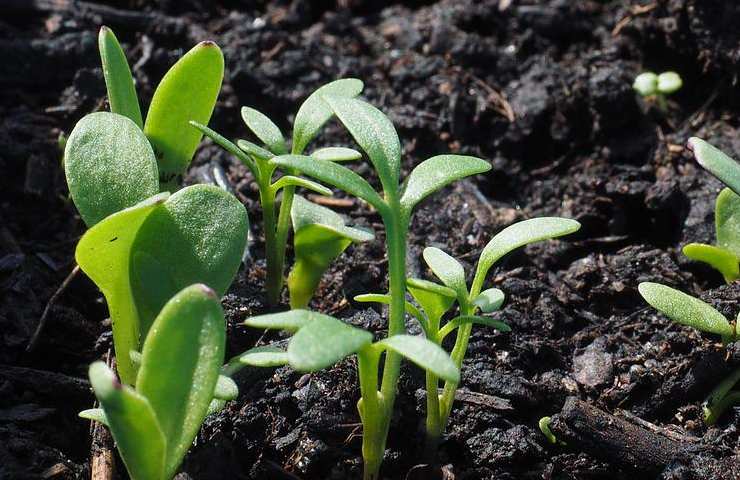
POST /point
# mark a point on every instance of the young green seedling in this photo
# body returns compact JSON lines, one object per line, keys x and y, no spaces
{"x":320,"y":236}
{"x":688,"y":310}
{"x":155,"y":424}
{"x":435,"y":300}
{"x":319,"y":341}
{"x":378,"y":138}
{"x":650,"y":85}
{"x":187,"y":92}
{"x":311,"y":116}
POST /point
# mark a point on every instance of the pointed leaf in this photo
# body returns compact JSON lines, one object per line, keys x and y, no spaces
{"x":289,"y":180}
{"x":118,"y":80}
{"x":724,"y":261}
{"x":727,"y":221}
{"x":265,"y":130}
{"x":332,"y":174}
{"x":437,"y":172}
{"x":226,"y":389}
{"x":385,"y":299}
{"x":323,"y":342}
{"x":336,"y":154}
{"x":109,"y":166}
{"x":446,"y":269}
{"x":314,"y":112}
{"x":685,"y":309}
{"x":206,"y":232}
{"x":187,"y":92}
{"x":266,"y":356}
{"x":716,"y":162}
{"x":94,"y":414}
{"x":229,"y":147}
{"x":289,"y":321}
{"x":181,"y":360}
{"x":474,"y":319}
{"x":435,"y":299}
{"x":489,"y":300}
{"x":257,"y":152}
{"x":103,"y":253}
{"x":375,"y":133}
{"x":132,"y":423}
{"x":425,"y":354}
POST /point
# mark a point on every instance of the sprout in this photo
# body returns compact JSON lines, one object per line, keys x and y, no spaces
{"x":435,"y":300}
{"x":544,"y":425}
{"x":155,"y":424}
{"x":311,"y":116}
{"x":648,"y":84}
{"x":320,"y":237}
{"x":378,"y":138}
{"x":688,"y":310}
{"x":319,"y":341}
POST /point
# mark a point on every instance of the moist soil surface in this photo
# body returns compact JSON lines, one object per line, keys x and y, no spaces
{"x":542,"y":89}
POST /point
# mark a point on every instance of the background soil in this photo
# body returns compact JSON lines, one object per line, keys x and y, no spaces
{"x":541,"y":88}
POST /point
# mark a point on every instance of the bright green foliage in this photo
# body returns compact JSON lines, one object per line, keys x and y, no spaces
{"x":669,"y":82}
{"x":722,"y":398}
{"x":716,"y":162}
{"x":137,"y":272}
{"x":109,"y":166}
{"x":724,"y":261}
{"x":154,"y":425}
{"x":311,"y":116}
{"x":648,"y":83}
{"x":320,"y":237}
{"x":187,"y":93}
{"x":118,"y":80}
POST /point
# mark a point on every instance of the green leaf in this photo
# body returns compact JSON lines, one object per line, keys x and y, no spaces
{"x":229,"y":147}
{"x":215,"y":406}
{"x":520,"y":234}
{"x":489,"y":300}
{"x":385,"y":299}
{"x":323,"y":342}
{"x":716,"y":162}
{"x":289,"y":321}
{"x":685,"y":309}
{"x":669,"y":82}
{"x":181,"y":360}
{"x":109,"y":166}
{"x":425,"y":354}
{"x":435,"y":299}
{"x":437,"y":172}
{"x":724,"y":261}
{"x":717,"y":401}
{"x":314,"y":112}
{"x":266,"y":356}
{"x":257,"y":152}
{"x":118,"y":80}
{"x":336,"y":154}
{"x":187,"y":92}
{"x":103,"y":253}
{"x":446,"y":269}
{"x":467,"y":319}
{"x":375,"y":133}
{"x":265,"y":130}
{"x":646,"y":84}
{"x":226,"y":389}
{"x":332,"y":174}
{"x":289,"y":180}
{"x":727,"y":221}
{"x":132,"y":423}
{"x":94,"y":414}
{"x":206,"y":232}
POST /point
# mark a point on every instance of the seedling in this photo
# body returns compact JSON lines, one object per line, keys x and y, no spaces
{"x":319,"y":341}
{"x":688,"y":310}
{"x":375,"y":134}
{"x":188,"y":91}
{"x":320,"y":237}
{"x":435,"y":300}
{"x":544,"y":425}
{"x":311,"y":116}
{"x":155,"y":424}
{"x":725,"y":256}
{"x":650,"y":85}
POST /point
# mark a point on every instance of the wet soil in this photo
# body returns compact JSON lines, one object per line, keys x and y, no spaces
{"x":541,"y":89}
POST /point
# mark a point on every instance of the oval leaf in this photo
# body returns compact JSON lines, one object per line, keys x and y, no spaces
{"x":187,"y":92}
{"x":118,"y":80}
{"x":685,"y":309}
{"x":109,"y":166}
{"x":716,"y":162}
{"x":727,"y":220}
{"x":226,"y":389}
{"x":436,"y":172}
{"x":266,"y":356}
{"x":265,"y":130}
{"x":435,"y":299}
{"x":323,"y":342}
{"x":724,"y":261}
{"x":489,"y":300}
{"x":336,"y":154}
{"x":289,"y":321}
{"x":180,"y":365}
{"x":446,"y":269}
{"x":425,"y":354}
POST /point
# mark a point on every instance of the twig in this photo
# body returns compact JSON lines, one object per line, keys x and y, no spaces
{"x":42,"y":321}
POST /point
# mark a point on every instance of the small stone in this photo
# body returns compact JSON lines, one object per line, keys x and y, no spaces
{"x":594,"y":366}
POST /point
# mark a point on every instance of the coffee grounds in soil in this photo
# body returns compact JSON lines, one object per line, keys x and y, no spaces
{"x":540,"y":88}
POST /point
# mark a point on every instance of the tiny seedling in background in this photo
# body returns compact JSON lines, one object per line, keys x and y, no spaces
{"x":311,"y":116}
{"x":319,"y":341}
{"x":544,"y":425}
{"x":374,"y":132}
{"x":650,"y":85}
{"x":688,"y":310}
{"x":155,"y":424}
{"x":320,"y":236}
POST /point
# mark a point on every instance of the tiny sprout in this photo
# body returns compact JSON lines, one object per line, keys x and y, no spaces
{"x":648,"y":84}
{"x":154,"y":424}
{"x":311,"y":116}
{"x":688,"y":310}
{"x":544,"y":425}
{"x":320,"y":237}
{"x":725,"y":256}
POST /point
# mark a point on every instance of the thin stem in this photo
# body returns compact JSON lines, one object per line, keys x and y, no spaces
{"x":434,"y":426}
{"x":281,"y":242}
{"x":371,"y":412}
{"x":274,"y":282}
{"x":458,"y":354}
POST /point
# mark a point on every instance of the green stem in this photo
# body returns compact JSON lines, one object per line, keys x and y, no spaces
{"x":274,"y":280}
{"x":721,"y":398}
{"x":434,"y":425}
{"x":371,"y":411}
{"x":281,"y":242}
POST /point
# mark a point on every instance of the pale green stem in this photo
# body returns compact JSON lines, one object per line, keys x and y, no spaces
{"x":371,"y":411}
{"x":281,"y":242}
{"x":274,"y":280}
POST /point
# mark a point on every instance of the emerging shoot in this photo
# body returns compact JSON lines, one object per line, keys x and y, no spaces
{"x":650,"y":85}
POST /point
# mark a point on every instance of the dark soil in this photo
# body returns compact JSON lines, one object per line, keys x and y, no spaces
{"x":541,"y":88}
